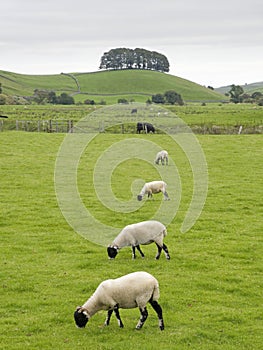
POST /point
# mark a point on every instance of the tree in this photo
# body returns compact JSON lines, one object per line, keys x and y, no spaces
{"x":235,"y":93}
{"x":40,"y":96}
{"x":170,"y":97}
{"x":52,"y":98}
{"x":65,"y":99}
{"x":257,"y":95}
{"x":2,"y":99}
{"x":124,"y":58}
{"x":158,"y":98}
{"x":173,"y":97}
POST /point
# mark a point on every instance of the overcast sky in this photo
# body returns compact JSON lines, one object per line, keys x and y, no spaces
{"x":209,"y":42}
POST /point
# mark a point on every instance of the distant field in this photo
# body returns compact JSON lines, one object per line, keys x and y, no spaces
{"x":199,"y":118}
{"x":211,"y":289}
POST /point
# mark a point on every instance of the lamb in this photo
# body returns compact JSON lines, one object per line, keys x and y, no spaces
{"x":127,"y":292}
{"x":153,"y":187}
{"x":144,"y":232}
{"x":162,"y":156}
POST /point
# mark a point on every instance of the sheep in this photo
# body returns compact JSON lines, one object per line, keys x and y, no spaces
{"x":153,"y":187}
{"x":126,"y":292}
{"x":162,"y":156}
{"x":144,"y":232}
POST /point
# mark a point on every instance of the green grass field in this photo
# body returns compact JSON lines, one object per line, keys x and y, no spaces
{"x":211,"y":289}
{"x":212,"y":114}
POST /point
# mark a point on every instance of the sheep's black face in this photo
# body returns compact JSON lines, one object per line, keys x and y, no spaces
{"x":112,"y":252}
{"x":139,"y":197}
{"x":81,"y":318}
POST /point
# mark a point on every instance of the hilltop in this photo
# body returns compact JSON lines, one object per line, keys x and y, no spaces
{"x":107,"y":85}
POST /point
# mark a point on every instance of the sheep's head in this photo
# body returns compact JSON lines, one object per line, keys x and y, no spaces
{"x":139,"y":197}
{"x":112,"y":251}
{"x":81,"y":317}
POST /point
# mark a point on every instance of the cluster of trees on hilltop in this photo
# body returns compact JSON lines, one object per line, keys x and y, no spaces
{"x":123,"y":58}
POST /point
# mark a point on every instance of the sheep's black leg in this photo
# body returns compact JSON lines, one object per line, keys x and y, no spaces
{"x":159,"y":312}
{"x":133,"y":252}
{"x":144,"y":315}
{"x":166,"y":196}
{"x":116,"y":310}
{"x":107,"y":321}
{"x":139,"y":249}
{"x":166,"y":252}
{"x":159,"y":251}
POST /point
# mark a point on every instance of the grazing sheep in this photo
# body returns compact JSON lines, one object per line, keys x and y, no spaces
{"x":153,"y":187}
{"x":127,"y":292}
{"x":144,"y":232}
{"x":162,"y":156}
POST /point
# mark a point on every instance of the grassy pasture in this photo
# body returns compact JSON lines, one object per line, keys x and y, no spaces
{"x":211,"y":289}
{"x":212,"y":114}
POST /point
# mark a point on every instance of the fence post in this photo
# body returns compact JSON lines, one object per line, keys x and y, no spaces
{"x":70,"y":126}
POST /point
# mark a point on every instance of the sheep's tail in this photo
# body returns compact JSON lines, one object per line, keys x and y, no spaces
{"x":164,"y":232}
{"x":156,"y":291}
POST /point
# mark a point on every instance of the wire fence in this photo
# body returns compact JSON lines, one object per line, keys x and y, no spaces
{"x":100,"y":126}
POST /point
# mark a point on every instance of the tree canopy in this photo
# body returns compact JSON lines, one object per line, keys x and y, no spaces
{"x":124,"y":58}
{"x":170,"y":97}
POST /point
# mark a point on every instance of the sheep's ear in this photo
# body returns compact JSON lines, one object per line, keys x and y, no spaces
{"x":85,"y":313}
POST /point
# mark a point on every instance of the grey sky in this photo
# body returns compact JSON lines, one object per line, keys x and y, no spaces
{"x":209,"y":42}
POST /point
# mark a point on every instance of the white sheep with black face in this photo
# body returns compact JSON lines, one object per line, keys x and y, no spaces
{"x":162,"y":156}
{"x":144,"y":232}
{"x":130,"y":291}
{"x":153,"y":187}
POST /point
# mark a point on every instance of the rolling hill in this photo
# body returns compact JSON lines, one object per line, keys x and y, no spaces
{"x":107,"y":85}
{"x":249,"y":88}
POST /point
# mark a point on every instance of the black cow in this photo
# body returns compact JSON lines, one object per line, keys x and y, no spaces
{"x":134,"y":110}
{"x":147,"y":127}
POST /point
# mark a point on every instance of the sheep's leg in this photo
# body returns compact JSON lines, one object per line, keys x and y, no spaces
{"x":150,"y":195}
{"x":166,"y":252}
{"x":140,"y":251}
{"x":159,"y":251}
{"x":107,"y":321}
{"x":144,"y":315}
{"x":166,"y":196}
{"x":159,"y":312}
{"x":133,"y":252}
{"x":117,"y":314}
